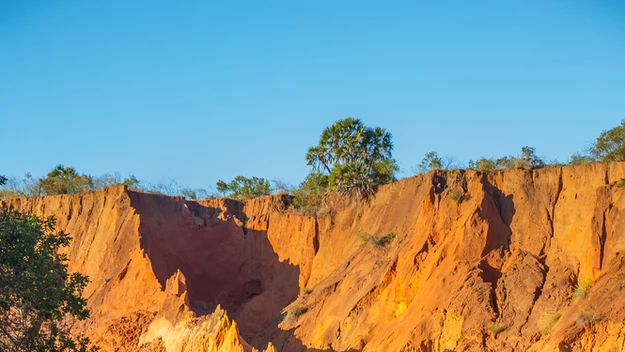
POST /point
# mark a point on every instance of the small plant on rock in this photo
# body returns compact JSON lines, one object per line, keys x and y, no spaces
{"x":457,"y":195}
{"x":306,"y":291}
{"x":377,"y":241}
{"x":495,"y":328}
{"x":294,"y":312}
{"x":581,"y":290}
{"x":621,"y":183}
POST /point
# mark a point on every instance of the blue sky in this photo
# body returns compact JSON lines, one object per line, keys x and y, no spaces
{"x":203,"y":90}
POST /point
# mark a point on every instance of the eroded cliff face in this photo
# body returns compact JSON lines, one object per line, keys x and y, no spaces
{"x":220,"y":275}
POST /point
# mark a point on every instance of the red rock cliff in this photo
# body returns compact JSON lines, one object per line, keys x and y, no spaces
{"x":494,"y":272}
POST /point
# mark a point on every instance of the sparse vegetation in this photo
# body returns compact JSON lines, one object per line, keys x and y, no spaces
{"x":587,"y":317}
{"x":457,"y":195}
{"x":621,"y":183}
{"x":581,"y":290}
{"x":66,"y":180}
{"x":527,"y":159}
{"x":431,"y":161}
{"x":306,"y":291}
{"x":548,"y":320}
{"x":377,"y":241}
{"x":496,"y":328}
{"x":294,"y":312}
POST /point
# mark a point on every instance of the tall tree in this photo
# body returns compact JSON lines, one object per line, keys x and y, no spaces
{"x":39,"y":299}
{"x":65,"y":180}
{"x":354,"y":156}
{"x":610,"y":145}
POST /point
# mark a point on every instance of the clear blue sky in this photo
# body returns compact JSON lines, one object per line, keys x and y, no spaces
{"x":201,"y":90}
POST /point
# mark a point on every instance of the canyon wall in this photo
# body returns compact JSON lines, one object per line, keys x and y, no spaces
{"x":496,"y":270}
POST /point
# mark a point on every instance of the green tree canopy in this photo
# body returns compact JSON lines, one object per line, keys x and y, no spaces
{"x":38,"y":297}
{"x":355,"y":157}
{"x":610,"y":145}
{"x":244,"y":188}
{"x":65,"y":180}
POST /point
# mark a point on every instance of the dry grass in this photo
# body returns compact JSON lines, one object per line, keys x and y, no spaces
{"x":457,"y":195}
{"x":294,"y":312}
{"x":587,"y":317}
{"x":548,"y":320}
{"x":377,"y":241}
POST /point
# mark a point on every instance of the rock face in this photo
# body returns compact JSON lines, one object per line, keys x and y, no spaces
{"x":524,"y":261}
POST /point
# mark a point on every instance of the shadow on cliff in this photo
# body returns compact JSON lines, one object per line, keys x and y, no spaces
{"x":224,"y":263}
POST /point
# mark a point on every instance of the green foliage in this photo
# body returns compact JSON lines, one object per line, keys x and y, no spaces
{"x":548,"y":320}
{"x":495,"y":328}
{"x":65,"y":180}
{"x":378,"y":242}
{"x":310,"y":195}
{"x":528,"y":159}
{"x":482,"y":164}
{"x":457,"y":195}
{"x":356,"y":158}
{"x":3,"y":180}
{"x":244,"y":188}
{"x":580,"y":159}
{"x":581,"y":290}
{"x":610,"y":145}
{"x":621,"y":183}
{"x":505,"y":162}
{"x":306,"y":291}
{"x":38,"y":297}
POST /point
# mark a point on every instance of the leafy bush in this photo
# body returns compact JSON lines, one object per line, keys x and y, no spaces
{"x":39,"y":299}
{"x":244,"y":188}
{"x":482,"y":164}
{"x":309,"y":197}
{"x":621,"y":183}
{"x":527,"y":159}
{"x":356,"y":158}
{"x":580,"y":159}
